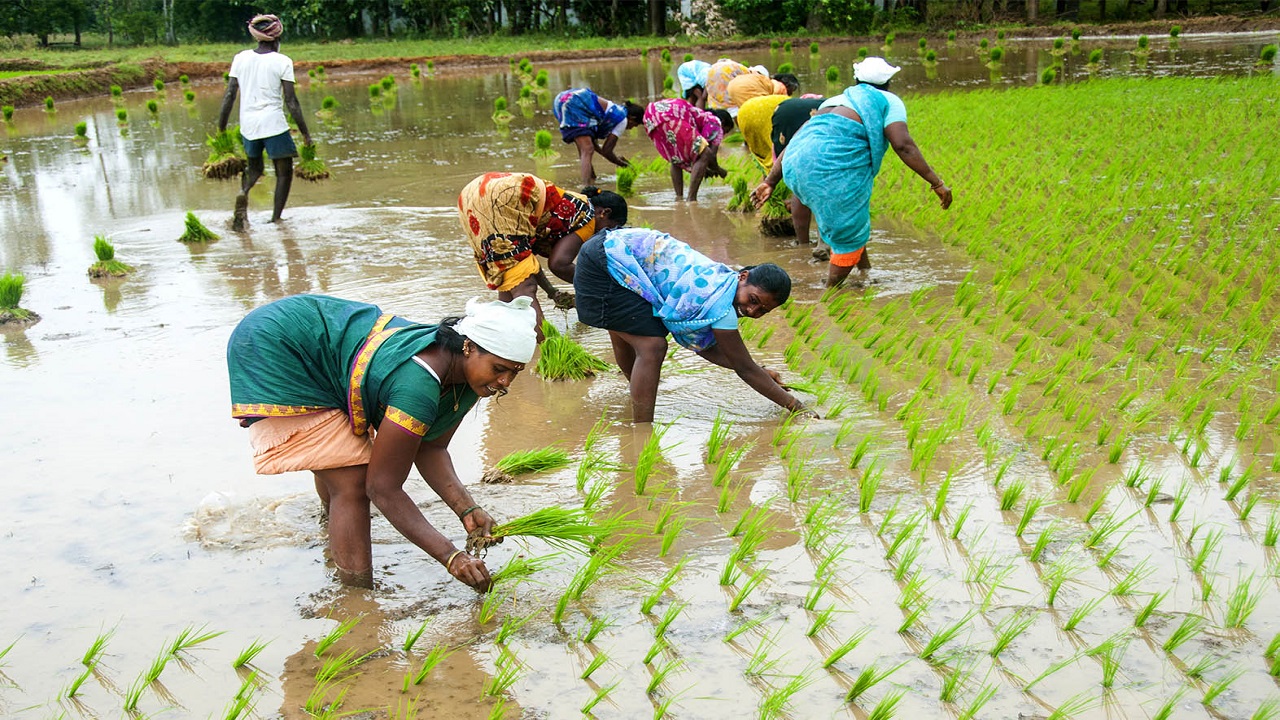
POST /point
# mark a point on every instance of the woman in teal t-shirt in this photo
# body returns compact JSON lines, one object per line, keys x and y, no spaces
{"x":311,"y":376}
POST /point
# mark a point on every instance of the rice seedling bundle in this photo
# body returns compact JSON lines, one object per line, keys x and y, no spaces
{"x":310,"y":167}
{"x":561,"y":358}
{"x":525,"y":462}
{"x":48,"y":103}
{"x":542,"y":145}
{"x":107,"y":265}
{"x":775,"y":214}
{"x":195,"y":231}
{"x":501,"y":115}
{"x":189,"y":96}
{"x":563,"y":528}
{"x":153,"y":107}
{"x":82,"y":131}
{"x":122,"y":116}
{"x":226,"y":157}
{"x":1267,"y":55}
{"x":786,"y":67}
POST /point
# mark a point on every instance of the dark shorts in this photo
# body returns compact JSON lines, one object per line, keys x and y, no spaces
{"x":278,"y":147}
{"x":603,"y":302}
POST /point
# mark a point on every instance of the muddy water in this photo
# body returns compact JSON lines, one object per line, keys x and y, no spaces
{"x":132,"y":508}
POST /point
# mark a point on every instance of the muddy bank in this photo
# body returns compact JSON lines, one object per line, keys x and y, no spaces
{"x":31,"y":90}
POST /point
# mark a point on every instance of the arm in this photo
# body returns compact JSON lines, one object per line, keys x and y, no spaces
{"x":228,"y":99}
{"x":606,"y":151}
{"x":394,"y":451}
{"x":564,"y":255}
{"x":295,"y":110}
{"x":898,"y":136}
{"x":730,"y":352}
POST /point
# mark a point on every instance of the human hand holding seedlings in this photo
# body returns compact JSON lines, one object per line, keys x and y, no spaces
{"x":761,"y":194}
{"x":479,"y":526}
{"x":470,"y":570}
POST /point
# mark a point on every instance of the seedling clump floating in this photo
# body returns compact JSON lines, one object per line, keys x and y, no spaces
{"x":524,"y":462}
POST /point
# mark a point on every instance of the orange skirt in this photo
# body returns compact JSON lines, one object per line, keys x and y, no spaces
{"x":317,"y":441}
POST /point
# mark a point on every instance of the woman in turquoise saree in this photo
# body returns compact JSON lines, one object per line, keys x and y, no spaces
{"x":358,"y":397}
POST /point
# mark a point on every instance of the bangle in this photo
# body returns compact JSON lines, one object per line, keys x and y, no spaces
{"x":448,"y":564}
{"x":468,"y":511}
{"x":939,"y":184}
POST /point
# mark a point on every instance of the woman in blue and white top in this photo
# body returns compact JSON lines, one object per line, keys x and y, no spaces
{"x":594,"y":125}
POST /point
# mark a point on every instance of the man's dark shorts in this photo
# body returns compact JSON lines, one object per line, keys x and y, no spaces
{"x":278,"y":147}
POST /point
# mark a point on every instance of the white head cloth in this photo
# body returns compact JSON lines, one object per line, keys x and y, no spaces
{"x":874,"y":70}
{"x":502,"y":328}
{"x":759,"y":70}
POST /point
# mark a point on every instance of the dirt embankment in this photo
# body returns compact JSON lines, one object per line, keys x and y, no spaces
{"x":32,"y":89}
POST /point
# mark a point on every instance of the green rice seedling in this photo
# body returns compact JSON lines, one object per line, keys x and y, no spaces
{"x":48,"y":103}
{"x":960,"y":520}
{"x":153,"y":107}
{"x":1052,"y":670}
{"x":82,"y":132}
{"x":660,"y":589}
{"x":412,"y":637}
{"x":158,"y":84}
{"x":674,"y":530}
{"x":887,"y":707}
{"x":189,"y":637}
{"x":1109,"y":526}
{"x":1179,"y":501}
{"x":1074,"y":706}
{"x":195,"y":231}
{"x":525,"y":462}
{"x":660,"y":675}
{"x":92,"y":655}
{"x":310,"y":167}
{"x":752,"y":582}
{"x":1268,"y":710}
{"x":1250,"y":502}
{"x":799,"y":478}
{"x":725,"y":463}
{"x":655,"y":649}
{"x":510,"y":624}
{"x":597,"y":626}
{"x":116,"y":91}
{"x":868,"y":483}
{"x":1143,"y":614}
{"x":1273,"y":648}
{"x":341,"y":665}
{"x":775,"y":704}
{"x":1242,"y":601}
{"x":506,"y":671}
{"x":1211,"y":542}
{"x":1153,"y":492}
{"x":786,"y":67}
{"x":940,"y":496}
{"x":860,"y":451}
{"x":1028,"y":512}
{"x":1008,"y":629}
{"x":718,"y":437}
{"x":601,"y":694}
{"x":336,"y":634}
{"x":73,"y":688}
{"x":944,"y":636}
{"x":134,"y":694}
{"x":561,"y":358}
{"x":122,"y":116}
{"x":542,"y":145}
{"x":250,"y":652}
{"x":813,"y":48}
{"x":226,"y":157}
{"x":746,"y":627}
{"x":1267,"y":55}
{"x":1272,"y":533}
{"x":833,"y":74}
{"x":1132,"y":579}
{"x":1189,"y":627}
{"x":521,"y":566}
{"x":316,"y":705}
{"x":189,"y":96}
{"x":1110,"y":653}
{"x":954,"y":680}
{"x":995,"y":57}
{"x":846,"y":647}
{"x":669,"y":617}
{"x":1165,"y":711}
{"x":492,"y":603}
{"x":817,"y":589}
{"x":760,"y":663}
{"x":414,"y":70}
{"x":1011,"y":494}
{"x":647,"y":460}
{"x":597,"y":661}
{"x":867,"y":679}
{"x":1082,"y":612}
{"x":1175,"y":31}
{"x":626,"y":179}
{"x":1220,"y":686}
{"x":821,"y":621}
{"x":1199,"y":667}
{"x":1240,"y":483}
{"x":388,"y":82}
{"x":978,"y":702}
{"x":1046,"y":536}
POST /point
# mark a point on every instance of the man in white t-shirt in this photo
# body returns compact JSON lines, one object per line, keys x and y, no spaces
{"x":266,"y":77}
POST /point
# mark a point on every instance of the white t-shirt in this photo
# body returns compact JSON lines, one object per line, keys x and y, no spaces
{"x":261,"y":97}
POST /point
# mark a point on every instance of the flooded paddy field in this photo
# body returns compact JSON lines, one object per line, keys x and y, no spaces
{"x":1044,"y":482}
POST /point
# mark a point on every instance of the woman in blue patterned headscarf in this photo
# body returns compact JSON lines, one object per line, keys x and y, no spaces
{"x":641,"y":284}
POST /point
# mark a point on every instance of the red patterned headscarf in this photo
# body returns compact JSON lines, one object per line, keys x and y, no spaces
{"x":265,"y":28}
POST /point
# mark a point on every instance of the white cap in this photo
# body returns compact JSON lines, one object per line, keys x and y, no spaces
{"x":502,"y":328}
{"x":874,"y":70}
{"x":759,"y":70}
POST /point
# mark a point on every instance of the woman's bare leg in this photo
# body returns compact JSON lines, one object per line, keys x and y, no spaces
{"x":623,"y":354}
{"x":350,"y":542}
{"x":646,"y":370}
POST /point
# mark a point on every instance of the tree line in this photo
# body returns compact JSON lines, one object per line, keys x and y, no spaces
{"x":142,"y":22}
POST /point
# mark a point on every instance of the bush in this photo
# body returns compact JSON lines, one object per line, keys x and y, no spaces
{"x":845,"y":16}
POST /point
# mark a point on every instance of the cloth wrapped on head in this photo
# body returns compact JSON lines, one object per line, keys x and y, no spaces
{"x":505,"y":329}
{"x":265,"y":28}
{"x":874,"y":70}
